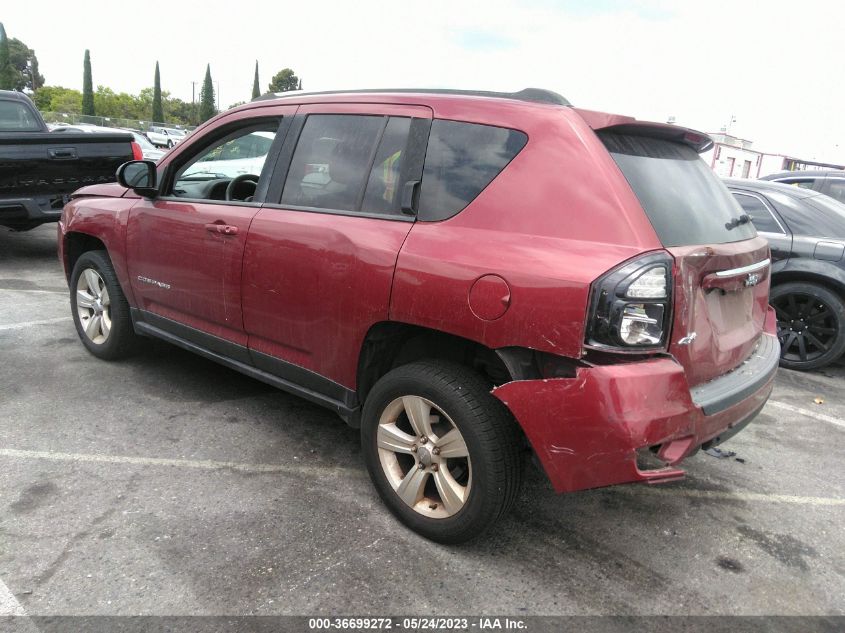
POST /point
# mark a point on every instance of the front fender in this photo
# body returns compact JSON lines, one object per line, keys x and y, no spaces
{"x":104,"y":219}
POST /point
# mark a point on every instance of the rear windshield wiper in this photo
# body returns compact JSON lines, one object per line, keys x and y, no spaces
{"x":743,"y":219}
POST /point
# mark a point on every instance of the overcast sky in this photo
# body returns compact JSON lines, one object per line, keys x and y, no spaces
{"x":776,"y":66}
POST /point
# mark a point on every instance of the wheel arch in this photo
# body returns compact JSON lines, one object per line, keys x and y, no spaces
{"x":77,"y":243}
{"x":389,"y":344}
{"x":821,"y":277}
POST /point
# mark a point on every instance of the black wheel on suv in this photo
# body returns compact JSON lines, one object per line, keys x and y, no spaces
{"x":811,"y":319}
{"x":445,"y":456}
{"x":99,"y":307}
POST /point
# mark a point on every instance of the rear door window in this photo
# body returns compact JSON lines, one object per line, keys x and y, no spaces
{"x":835,"y":188}
{"x":383,"y":191}
{"x":685,"y":201}
{"x":331,"y":163}
{"x":461,"y":160}
{"x":804,"y":183}
{"x":759,"y":212}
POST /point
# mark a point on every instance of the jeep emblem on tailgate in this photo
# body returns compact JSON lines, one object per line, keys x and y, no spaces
{"x":752,"y":280}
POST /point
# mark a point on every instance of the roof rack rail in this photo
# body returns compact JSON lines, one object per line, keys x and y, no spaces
{"x":536,"y":95}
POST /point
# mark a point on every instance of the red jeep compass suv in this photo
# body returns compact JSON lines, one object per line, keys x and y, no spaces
{"x":466,"y":276}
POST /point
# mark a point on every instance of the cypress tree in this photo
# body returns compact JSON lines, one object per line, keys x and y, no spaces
{"x":7,"y":81}
{"x":207,"y":109}
{"x":158,"y":111}
{"x":37,"y":79}
{"x":256,"y":90}
{"x":87,"y":86}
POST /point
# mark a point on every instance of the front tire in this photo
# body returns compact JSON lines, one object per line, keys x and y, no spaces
{"x":99,"y":307}
{"x":445,"y":455}
{"x":811,"y":324}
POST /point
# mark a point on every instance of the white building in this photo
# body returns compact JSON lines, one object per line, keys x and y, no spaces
{"x":732,"y":157}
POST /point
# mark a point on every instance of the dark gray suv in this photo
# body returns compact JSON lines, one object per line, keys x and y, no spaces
{"x":830,"y":182}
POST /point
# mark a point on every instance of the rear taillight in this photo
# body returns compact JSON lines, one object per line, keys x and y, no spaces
{"x":630,"y":306}
{"x":137,"y":153}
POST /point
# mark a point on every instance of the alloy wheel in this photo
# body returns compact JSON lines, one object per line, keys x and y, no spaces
{"x":93,"y":306}
{"x":807,"y":327}
{"x":424,"y":457}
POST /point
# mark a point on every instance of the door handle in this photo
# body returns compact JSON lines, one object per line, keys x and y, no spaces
{"x":222,"y":229}
{"x":62,"y":153}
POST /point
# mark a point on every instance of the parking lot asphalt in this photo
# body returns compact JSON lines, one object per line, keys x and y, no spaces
{"x":166,"y":484}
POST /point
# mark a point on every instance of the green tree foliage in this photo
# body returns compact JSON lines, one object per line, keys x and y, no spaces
{"x":256,"y":89}
{"x":207,"y":107}
{"x":18,"y":65}
{"x":112,"y":104}
{"x":58,"y":99}
{"x":158,"y":111}
{"x":6,"y":71}
{"x":285,"y":80}
{"x":87,"y":87}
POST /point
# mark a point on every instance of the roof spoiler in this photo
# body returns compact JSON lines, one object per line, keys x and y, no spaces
{"x":619,"y":124}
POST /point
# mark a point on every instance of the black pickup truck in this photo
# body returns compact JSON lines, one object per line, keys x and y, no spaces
{"x":39,"y":169}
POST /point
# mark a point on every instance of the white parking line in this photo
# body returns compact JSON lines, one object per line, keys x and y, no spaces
{"x":206,"y":464}
{"x":36,"y":291}
{"x":26,"y":324}
{"x":821,"y":417}
{"x":201,"y":464}
{"x":9,"y":605}
{"x":733,"y":496}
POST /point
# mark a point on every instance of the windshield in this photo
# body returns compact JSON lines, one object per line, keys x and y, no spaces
{"x":686,"y":203}
{"x":16,"y":117}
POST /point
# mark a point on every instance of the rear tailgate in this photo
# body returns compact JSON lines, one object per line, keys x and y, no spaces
{"x":49,"y":164}
{"x":721,"y":272}
{"x":722,"y":295}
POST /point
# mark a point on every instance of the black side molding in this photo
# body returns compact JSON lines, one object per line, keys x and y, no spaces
{"x":277,"y":373}
{"x":735,"y":386}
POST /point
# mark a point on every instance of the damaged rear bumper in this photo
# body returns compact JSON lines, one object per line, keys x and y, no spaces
{"x":588,"y":430}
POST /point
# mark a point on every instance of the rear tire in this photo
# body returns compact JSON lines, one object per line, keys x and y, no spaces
{"x":811,"y":324}
{"x":99,"y":307}
{"x":468,"y":470}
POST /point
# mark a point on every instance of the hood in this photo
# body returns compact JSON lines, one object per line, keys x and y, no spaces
{"x":107,"y":190}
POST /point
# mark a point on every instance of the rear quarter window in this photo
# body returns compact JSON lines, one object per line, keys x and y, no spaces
{"x":682,"y":197}
{"x":461,"y":160}
{"x":16,"y":117}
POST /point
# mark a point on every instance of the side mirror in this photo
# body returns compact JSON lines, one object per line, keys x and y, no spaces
{"x":139,"y":176}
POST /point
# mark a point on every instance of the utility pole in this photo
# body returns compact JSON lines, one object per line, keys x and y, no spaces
{"x":193,"y":102}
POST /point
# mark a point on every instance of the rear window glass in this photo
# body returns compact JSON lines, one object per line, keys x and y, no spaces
{"x":686,"y":203}
{"x":461,"y":160}
{"x":16,"y":117}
